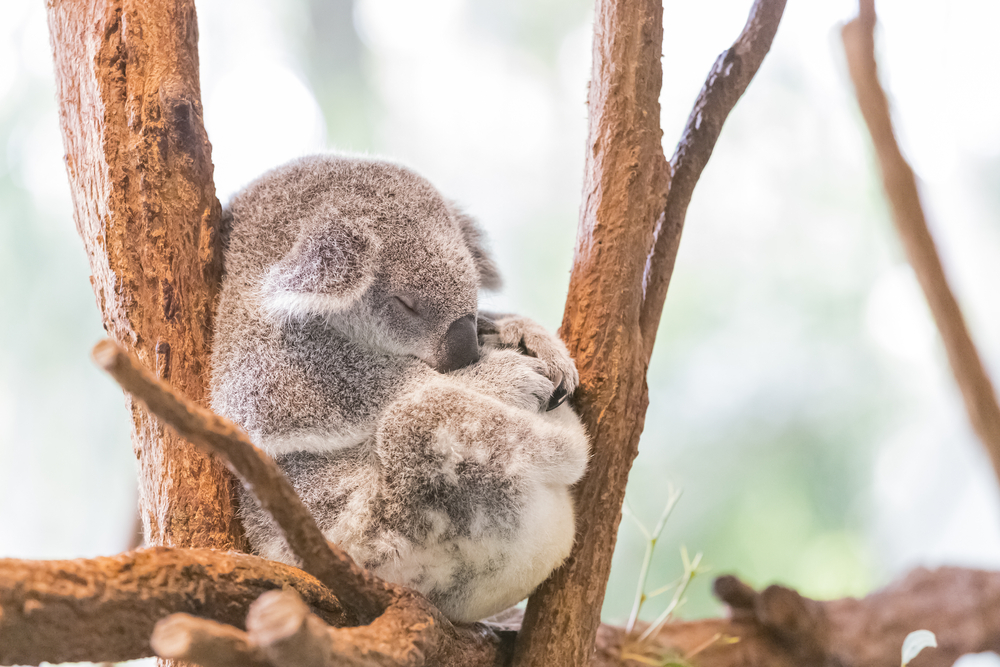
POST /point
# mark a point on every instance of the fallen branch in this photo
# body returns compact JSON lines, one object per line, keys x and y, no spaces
{"x":359,"y":590}
{"x":908,"y":215}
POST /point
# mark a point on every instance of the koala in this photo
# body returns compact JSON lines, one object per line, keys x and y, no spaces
{"x":430,"y":441}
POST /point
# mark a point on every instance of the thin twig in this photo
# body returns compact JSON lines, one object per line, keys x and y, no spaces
{"x":908,"y":215}
{"x":690,"y":570}
{"x":358,"y":589}
{"x":726,"y":83}
{"x":647,"y":558}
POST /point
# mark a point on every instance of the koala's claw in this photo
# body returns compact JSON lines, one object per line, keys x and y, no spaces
{"x":558,"y":397}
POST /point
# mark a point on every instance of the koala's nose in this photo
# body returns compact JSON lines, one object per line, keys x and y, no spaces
{"x":460,"y":346}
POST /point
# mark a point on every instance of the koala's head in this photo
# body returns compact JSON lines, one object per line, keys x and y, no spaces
{"x":370,"y":247}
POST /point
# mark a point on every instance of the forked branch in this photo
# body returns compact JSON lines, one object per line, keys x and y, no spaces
{"x":630,"y":223}
{"x":397,"y":625}
{"x":725,"y":85}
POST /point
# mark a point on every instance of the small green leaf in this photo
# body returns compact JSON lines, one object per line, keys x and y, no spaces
{"x":916,"y":642}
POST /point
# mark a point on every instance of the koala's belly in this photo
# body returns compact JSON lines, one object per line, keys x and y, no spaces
{"x":470,"y":578}
{"x":470,"y":569}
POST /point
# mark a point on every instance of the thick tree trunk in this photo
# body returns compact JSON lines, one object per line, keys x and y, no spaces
{"x":140,"y":173}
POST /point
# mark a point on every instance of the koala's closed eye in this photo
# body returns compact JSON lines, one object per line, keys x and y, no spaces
{"x":407,"y":304}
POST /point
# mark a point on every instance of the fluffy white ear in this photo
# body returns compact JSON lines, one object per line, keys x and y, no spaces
{"x":327,"y":270}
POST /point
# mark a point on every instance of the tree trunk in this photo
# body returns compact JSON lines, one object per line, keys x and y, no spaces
{"x":140,"y":172}
{"x":625,"y":187}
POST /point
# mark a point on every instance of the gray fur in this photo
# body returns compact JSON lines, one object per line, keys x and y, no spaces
{"x":348,"y":282}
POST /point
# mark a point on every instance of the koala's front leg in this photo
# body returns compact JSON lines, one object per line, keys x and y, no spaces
{"x":447,"y":439}
{"x":534,"y":340}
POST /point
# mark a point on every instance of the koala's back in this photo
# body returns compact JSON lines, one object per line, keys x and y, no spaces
{"x":265,"y":217}
{"x":282,"y":383}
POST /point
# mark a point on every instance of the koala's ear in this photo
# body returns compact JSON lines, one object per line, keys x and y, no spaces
{"x":327,"y":271}
{"x":489,"y":274}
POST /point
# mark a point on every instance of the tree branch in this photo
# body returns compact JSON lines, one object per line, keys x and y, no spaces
{"x":358,"y":589}
{"x":908,"y":215}
{"x":625,"y":188}
{"x":630,"y":223}
{"x":725,"y":85}
{"x":104,"y":609}
{"x":406,"y":627}
{"x":205,"y":642}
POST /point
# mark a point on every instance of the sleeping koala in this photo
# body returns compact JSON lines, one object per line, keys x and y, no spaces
{"x":349,"y":346}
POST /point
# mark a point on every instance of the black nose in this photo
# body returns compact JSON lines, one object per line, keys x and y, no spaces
{"x":460,"y":346}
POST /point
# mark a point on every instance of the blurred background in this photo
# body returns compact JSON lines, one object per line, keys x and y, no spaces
{"x":799,"y":394}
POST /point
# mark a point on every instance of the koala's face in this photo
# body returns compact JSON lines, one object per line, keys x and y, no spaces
{"x":378,"y":253}
{"x":423,"y":303}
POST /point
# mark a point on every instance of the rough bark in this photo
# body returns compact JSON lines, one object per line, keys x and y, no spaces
{"x":104,"y":609}
{"x":625,"y":188}
{"x":140,"y":172}
{"x":204,"y":642}
{"x":900,"y":187}
{"x":630,"y":223}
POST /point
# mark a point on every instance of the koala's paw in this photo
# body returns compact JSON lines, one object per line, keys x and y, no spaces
{"x":534,"y":340}
{"x":512,"y":377}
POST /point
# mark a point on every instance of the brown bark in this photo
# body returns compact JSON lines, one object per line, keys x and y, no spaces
{"x":204,"y":642}
{"x":630,"y":223}
{"x":908,"y":215}
{"x":625,"y":188}
{"x":140,"y":173}
{"x":105,"y":608}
